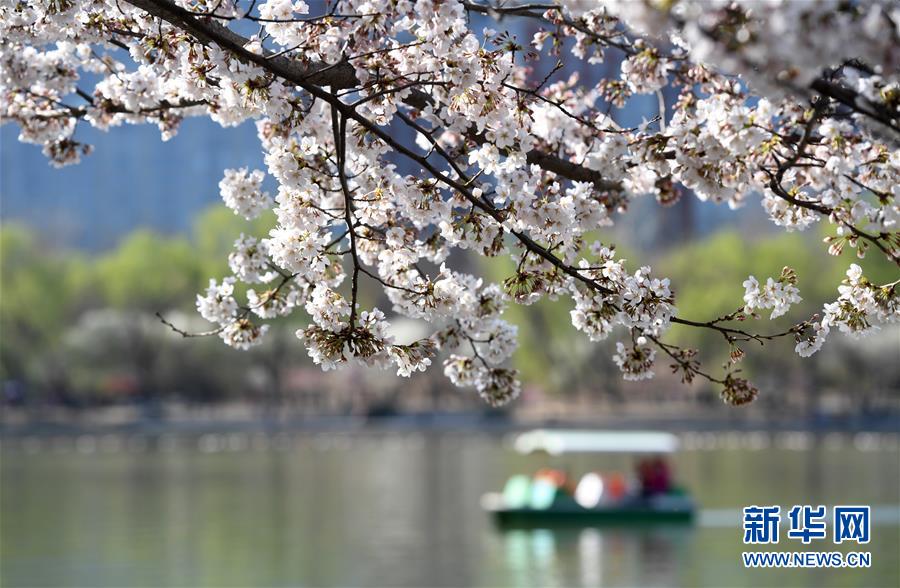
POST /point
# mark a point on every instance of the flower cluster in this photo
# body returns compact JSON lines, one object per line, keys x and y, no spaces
{"x":607,"y":295}
{"x":811,"y":338}
{"x":218,"y":305}
{"x":862,"y":305}
{"x":775,"y":294}
{"x":738,"y":391}
{"x":636,"y":361}
{"x":242,"y":192}
{"x":250,"y":261}
{"x":645,"y":72}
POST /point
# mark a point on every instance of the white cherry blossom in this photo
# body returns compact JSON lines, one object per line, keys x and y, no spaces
{"x":397,"y":136}
{"x":242,"y":193}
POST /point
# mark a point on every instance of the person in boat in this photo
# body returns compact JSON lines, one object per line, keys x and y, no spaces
{"x":655,"y":476}
{"x":558,"y":478}
{"x":616,"y":486}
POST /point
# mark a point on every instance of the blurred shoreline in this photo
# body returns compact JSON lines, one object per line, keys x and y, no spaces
{"x":223,"y":420}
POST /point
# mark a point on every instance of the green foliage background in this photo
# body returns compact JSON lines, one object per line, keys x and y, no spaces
{"x":45,"y":295}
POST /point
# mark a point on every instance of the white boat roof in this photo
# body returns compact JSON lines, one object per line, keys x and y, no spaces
{"x":556,"y":442}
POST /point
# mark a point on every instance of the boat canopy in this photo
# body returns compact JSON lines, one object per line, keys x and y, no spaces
{"x":556,"y":442}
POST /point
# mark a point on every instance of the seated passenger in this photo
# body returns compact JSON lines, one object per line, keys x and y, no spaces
{"x":654,"y":476}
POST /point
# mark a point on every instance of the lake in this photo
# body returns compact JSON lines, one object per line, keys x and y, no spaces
{"x":401,"y":508}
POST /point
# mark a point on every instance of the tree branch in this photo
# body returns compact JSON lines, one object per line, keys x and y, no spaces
{"x":340,"y":75}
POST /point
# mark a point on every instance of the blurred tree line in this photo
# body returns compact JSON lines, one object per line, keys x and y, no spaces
{"x":79,"y":330}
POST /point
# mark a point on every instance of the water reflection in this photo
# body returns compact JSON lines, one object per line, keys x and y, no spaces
{"x":590,"y":556}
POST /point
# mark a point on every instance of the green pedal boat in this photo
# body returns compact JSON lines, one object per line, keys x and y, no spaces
{"x":544,"y":501}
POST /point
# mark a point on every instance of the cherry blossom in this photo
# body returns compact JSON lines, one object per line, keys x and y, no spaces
{"x":778,"y":294}
{"x":249,"y":262}
{"x":861,"y":306}
{"x":395,"y":135}
{"x":636,"y":362}
{"x":241,"y":191}
{"x":218,"y":304}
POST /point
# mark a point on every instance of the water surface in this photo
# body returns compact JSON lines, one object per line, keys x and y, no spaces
{"x":402,"y":509}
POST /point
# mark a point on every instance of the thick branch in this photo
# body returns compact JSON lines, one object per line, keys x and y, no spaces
{"x":339,"y":129}
{"x":855,"y":102}
{"x":338,"y":76}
